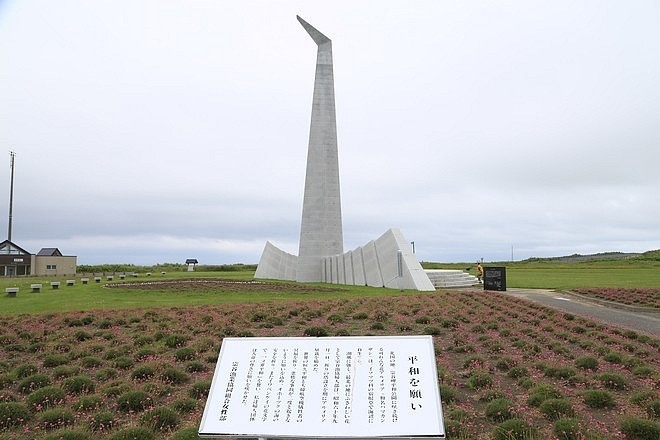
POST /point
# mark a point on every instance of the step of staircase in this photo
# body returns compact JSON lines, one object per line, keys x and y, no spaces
{"x":446,"y":278}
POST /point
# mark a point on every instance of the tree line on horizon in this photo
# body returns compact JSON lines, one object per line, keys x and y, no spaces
{"x":162,"y":267}
{"x":653,"y":255}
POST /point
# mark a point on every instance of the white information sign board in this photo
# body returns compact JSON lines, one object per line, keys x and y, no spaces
{"x":338,"y":387}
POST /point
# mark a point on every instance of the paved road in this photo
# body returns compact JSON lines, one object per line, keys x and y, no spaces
{"x":639,"y":321}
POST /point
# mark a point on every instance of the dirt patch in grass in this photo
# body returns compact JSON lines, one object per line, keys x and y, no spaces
{"x":217,"y":284}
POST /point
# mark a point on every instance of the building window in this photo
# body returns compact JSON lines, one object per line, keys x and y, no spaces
{"x":51,"y":266}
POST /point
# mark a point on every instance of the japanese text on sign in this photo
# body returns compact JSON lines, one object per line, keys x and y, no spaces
{"x":354,"y":386}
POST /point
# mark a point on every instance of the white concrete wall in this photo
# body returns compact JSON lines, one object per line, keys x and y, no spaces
{"x":348,"y":268}
{"x":275,"y":264}
{"x":371,"y":267}
{"x":376,"y":264}
{"x":387,"y":250}
{"x":359,"y":278}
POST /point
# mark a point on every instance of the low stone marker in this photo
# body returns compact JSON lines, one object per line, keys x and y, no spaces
{"x":110,"y":277}
{"x":55,"y":285}
{"x":84,"y":280}
{"x":122,"y":277}
{"x":97,"y":279}
{"x":70,"y":282}
{"x":11,"y":291}
{"x":325,"y":388}
{"x":36,"y":288}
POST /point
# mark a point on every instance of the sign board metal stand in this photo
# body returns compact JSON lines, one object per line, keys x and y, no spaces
{"x":325,"y":388}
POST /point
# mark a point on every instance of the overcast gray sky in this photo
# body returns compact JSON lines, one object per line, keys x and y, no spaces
{"x":155,"y":131}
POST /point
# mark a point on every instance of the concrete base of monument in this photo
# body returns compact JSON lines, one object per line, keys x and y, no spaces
{"x":446,"y":278}
{"x":387,"y":262}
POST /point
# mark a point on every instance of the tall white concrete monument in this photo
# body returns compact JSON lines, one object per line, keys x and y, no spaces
{"x":321,"y":230}
{"x":385,"y":262}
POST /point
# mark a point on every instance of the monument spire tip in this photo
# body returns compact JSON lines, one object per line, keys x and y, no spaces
{"x":317,"y":36}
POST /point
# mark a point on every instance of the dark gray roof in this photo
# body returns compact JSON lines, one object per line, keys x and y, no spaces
{"x":50,"y":252}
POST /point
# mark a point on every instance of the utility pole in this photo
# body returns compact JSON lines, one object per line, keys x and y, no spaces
{"x":11,"y":194}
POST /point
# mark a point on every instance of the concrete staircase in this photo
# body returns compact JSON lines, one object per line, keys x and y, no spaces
{"x":445,"y":278}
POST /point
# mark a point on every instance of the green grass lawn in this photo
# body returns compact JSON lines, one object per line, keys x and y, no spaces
{"x":562,"y":276}
{"x":568,"y":278}
{"x":94,"y":296}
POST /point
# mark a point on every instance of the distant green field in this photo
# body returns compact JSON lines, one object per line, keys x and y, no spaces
{"x":94,"y":296}
{"x":556,"y":275}
{"x":568,"y":278}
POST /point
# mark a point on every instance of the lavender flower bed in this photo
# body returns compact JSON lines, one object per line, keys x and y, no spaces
{"x":504,"y":365}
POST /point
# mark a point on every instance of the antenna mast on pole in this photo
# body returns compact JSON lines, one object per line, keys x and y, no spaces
{"x":11,"y":194}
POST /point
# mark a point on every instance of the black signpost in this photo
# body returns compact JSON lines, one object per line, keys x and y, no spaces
{"x":495,"y":278}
